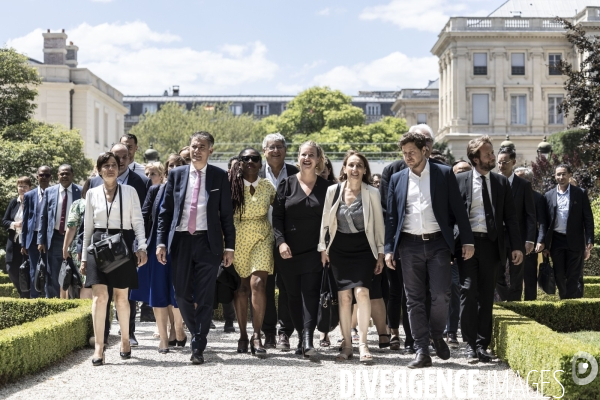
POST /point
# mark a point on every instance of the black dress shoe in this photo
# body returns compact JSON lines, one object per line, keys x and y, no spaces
{"x":163,"y":351}
{"x":133,"y":341}
{"x":228,"y":328}
{"x":284,"y":341}
{"x":441,"y":348}
{"x":483,"y":355}
{"x":307,"y":343}
{"x":471,"y":355}
{"x":420,"y":361}
{"x":452,"y":340}
{"x":197,"y":358}
{"x":409,"y":349}
{"x":270,"y":342}
{"x":125,"y":355}
{"x":212,"y":325}
{"x":181,"y":343}
{"x":298,"y":351}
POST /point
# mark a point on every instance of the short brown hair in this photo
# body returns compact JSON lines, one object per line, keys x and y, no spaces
{"x":366,"y":177}
{"x":418,"y":139}
{"x":176,"y":158}
{"x":24,"y":180}
{"x":103,"y":159}
{"x":475,"y":145}
{"x":203,"y":135}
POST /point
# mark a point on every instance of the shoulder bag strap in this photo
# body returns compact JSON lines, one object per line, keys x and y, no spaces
{"x":120,"y":206}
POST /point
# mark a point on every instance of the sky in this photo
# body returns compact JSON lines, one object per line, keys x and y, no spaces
{"x":246,"y":47}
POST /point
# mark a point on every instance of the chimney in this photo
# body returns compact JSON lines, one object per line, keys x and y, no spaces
{"x":55,"y":48}
{"x":71,"y":59}
{"x":176,"y":90}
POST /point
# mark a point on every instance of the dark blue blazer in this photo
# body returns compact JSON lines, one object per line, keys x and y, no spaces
{"x":139,"y":183}
{"x":150,"y":210}
{"x":9,"y":218}
{"x":49,"y":212}
{"x":447,"y":205}
{"x":30,"y":202}
{"x":219,"y":211}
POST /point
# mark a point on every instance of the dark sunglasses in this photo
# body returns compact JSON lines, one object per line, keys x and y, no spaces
{"x":45,"y":175}
{"x":248,"y":158}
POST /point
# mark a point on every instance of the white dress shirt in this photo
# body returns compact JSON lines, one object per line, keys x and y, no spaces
{"x":477,"y":215}
{"x":61,"y":193}
{"x":511,"y":178}
{"x":18,"y":218}
{"x":419,"y":218}
{"x":563,"y":200}
{"x":275,"y":182}
{"x":96,"y":213}
{"x":201,"y":224}
{"x":137,"y":168}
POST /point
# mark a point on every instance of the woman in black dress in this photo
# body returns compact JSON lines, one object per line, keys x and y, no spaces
{"x":297,"y":212}
{"x":354,"y":220}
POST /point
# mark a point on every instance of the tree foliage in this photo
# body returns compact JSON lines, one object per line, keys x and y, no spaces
{"x":169,"y":129}
{"x":17,"y":88}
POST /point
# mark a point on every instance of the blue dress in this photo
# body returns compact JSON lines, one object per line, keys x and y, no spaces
{"x":155,"y":281}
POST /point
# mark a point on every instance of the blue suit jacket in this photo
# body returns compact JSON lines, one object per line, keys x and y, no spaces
{"x":30,"y":202}
{"x":447,"y":205}
{"x":150,"y":210}
{"x":219,"y":211}
{"x":49,"y":212}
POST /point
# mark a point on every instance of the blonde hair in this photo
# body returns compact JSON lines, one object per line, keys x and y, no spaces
{"x":160,"y":168}
{"x":320,"y":155}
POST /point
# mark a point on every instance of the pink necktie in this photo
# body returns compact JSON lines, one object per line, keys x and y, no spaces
{"x":194,"y":205}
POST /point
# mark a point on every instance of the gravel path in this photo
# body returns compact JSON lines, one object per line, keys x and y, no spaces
{"x":227,"y":374}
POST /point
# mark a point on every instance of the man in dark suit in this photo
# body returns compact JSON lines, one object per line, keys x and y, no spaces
{"x":276,"y":170}
{"x":423,"y":205}
{"x":525,"y":210}
{"x":489,"y":202}
{"x":51,"y":236}
{"x":396,"y":305}
{"x":141,"y":185}
{"x":567,"y":232}
{"x":530,"y":262}
{"x":32,"y":218}
{"x":130,"y":141}
{"x":195,"y":219}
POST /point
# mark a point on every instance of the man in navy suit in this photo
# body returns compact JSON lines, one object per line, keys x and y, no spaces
{"x":141,"y":185}
{"x":32,"y":217}
{"x":423,"y":204}
{"x":195,"y":219}
{"x":567,"y":232}
{"x":55,"y":212}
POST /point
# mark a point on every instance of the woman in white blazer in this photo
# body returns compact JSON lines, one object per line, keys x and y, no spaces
{"x":353,"y":220}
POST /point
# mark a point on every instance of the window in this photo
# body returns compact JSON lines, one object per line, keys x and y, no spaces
{"x":421,"y":118}
{"x":518,"y":63}
{"x":149,"y":108}
{"x":554,"y":116}
{"x":261,"y":109}
{"x":105,"y":127}
{"x":553,"y":61}
{"x":518,"y":110}
{"x":235,"y":109}
{"x":373,"y":109}
{"x":481,"y":109}
{"x":96,"y":125}
{"x":128,"y":106}
{"x":480,"y":64}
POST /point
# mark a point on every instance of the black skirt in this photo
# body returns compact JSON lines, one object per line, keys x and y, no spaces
{"x":121,"y":278}
{"x":352,"y":261}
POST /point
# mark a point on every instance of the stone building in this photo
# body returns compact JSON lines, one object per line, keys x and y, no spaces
{"x":76,"y":98}
{"x":498,"y":74}
{"x":419,"y":106}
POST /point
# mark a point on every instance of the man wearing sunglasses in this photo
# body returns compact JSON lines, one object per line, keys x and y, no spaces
{"x":32,"y":212}
{"x":276,"y":170}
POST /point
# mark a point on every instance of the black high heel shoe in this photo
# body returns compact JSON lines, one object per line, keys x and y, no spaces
{"x":172,"y":343}
{"x":386,"y":344}
{"x":125,"y":355}
{"x":181,"y":343}
{"x":307,"y":344}
{"x":96,"y":362}
{"x":243,"y":345}
{"x":256,"y":346}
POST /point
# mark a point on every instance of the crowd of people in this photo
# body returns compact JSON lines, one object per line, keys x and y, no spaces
{"x":424,"y":243}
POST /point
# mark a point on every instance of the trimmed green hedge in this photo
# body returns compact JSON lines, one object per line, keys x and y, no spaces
{"x":527,"y":346}
{"x":591,"y":267}
{"x":8,"y":290}
{"x":561,"y":316}
{"x":13,"y":313}
{"x":4,"y":278}
{"x":591,"y":279}
{"x":33,"y":345}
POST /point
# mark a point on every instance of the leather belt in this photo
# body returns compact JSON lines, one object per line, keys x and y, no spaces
{"x":423,"y":237}
{"x":197,"y":233}
{"x":480,"y":235}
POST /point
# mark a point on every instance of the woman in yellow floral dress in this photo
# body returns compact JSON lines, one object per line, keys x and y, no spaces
{"x":251,"y":197}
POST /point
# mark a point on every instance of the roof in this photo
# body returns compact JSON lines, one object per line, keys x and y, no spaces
{"x":434,"y":84}
{"x":237,"y":99}
{"x":543,"y":8}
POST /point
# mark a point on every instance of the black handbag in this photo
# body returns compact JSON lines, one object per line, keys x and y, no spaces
{"x":111,"y":252}
{"x":546,"y":279}
{"x":76,"y":280}
{"x":328,"y":316}
{"x":39,"y":279}
{"x":24,"y":276}
{"x":65,"y":275}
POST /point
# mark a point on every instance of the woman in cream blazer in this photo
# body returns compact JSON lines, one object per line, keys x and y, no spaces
{"x":353,"y":220}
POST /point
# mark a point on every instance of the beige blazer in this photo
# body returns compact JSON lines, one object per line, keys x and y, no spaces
{"x":374,"y":228}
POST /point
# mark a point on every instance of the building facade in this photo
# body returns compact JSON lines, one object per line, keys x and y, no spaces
{"x":419,"y":106}
{"x":498,"y":74}
{"x":76,"y":98}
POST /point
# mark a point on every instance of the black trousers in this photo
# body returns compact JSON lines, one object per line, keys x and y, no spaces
{"x":107,"y":321}
{"x":530,"y":275}
{"x":303,"y":292}
{"x":567,"y":267}
{"x":478,"y":276}
{"x":12,"y":268}
{"x":396,"y":304}
{"x":195,"y":270}
{"x":514,"y":289}
{"x":280,"y":314}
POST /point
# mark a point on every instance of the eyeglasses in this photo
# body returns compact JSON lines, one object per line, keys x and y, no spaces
{"x":22,"y":187}
{"x":503,"y":162}
{"x":248,"y":158}
{"x":45,"y":175}
{"x":273,"y":148}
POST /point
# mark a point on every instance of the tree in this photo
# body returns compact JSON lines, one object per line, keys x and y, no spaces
{"x":25,"y":147}
{"x":169,"y":129}
{"x":446,"y":151}
{"x":18,"y":83}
